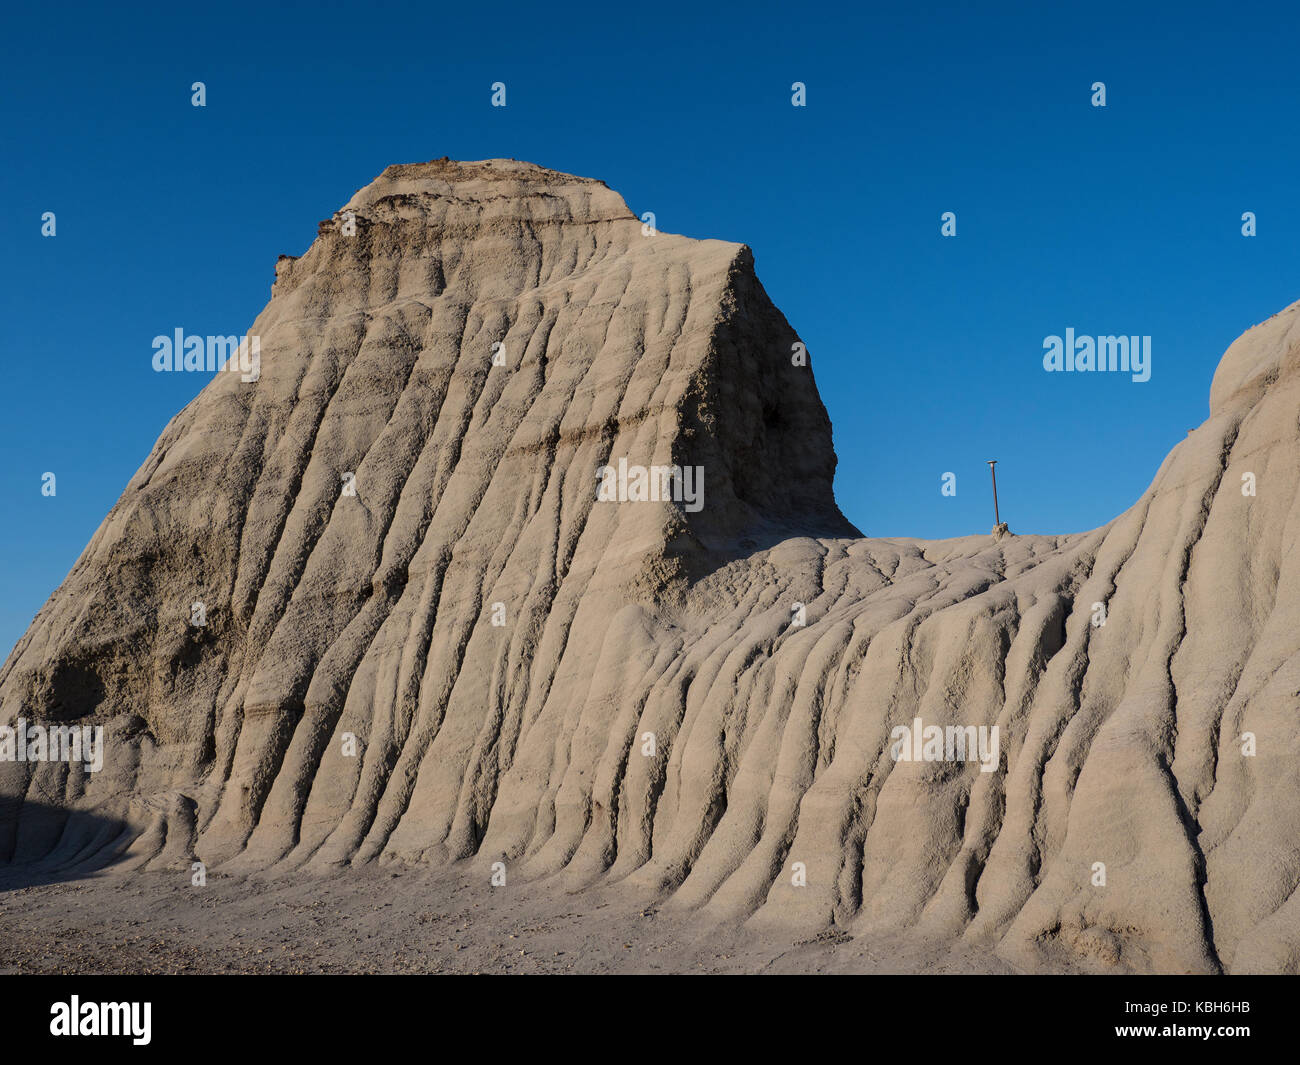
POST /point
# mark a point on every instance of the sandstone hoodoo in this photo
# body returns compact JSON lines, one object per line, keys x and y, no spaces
{"x":425,"y":634}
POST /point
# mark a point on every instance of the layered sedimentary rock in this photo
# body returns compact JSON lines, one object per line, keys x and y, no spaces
{"x":425,"y":639}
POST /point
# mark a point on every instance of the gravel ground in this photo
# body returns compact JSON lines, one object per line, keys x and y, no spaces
{"x":375,"y":920}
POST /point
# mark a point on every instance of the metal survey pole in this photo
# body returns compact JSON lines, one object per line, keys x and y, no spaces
{"x":992,"y":463}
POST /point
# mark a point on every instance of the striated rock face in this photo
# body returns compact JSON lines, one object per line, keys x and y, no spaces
{"x":647,"y":707}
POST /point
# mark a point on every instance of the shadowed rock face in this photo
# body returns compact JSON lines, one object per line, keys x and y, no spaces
{"x":370,"y":612}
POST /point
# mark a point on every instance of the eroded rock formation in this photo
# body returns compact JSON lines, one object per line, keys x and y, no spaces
{"x":356,"y":519}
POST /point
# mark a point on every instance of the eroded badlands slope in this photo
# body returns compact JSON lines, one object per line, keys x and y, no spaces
{"x":370,"y":614}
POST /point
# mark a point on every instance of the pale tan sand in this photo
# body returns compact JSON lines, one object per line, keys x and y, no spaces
{"x":371,"y":615}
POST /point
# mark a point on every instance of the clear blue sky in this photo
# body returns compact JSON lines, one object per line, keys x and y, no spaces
{"x":928,"y":351}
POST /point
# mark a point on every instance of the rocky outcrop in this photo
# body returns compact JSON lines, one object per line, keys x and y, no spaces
{"x":426,"y":639}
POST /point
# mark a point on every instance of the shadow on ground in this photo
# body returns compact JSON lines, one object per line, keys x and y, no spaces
{"x":44,"y":844}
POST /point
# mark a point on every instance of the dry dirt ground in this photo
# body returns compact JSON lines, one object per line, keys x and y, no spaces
{"x":415,"y":921}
